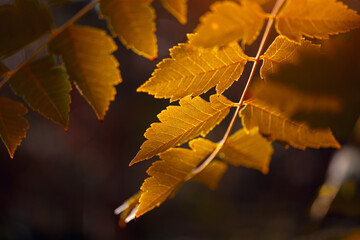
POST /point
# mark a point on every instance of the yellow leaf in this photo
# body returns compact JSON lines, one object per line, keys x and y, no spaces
{"x":12,"y":124}
{"x":45,"y":87}
{"x":278,"y":127}
{"x":315,"y":18}
{"x":248,"y":149}
{"x":21,"y":23}
{"x":86,"y":53}
{"x":228,"y":22}
{"x":178,"y":8}
{"x":126,"y":210}
{"x":289,"y":100}
{"x":193,"y":71}
{"x":284,"y":51}
{"x":134,"y":23}
{"x":170,"y":172}
{"x":212,"y":174}
{"x":181,"y":123}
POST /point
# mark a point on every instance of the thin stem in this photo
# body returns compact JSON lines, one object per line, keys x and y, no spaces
{"x":220,"y":144}
{"x":53,"y":35}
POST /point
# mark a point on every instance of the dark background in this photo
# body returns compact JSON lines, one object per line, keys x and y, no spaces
{"x":66,"y":185}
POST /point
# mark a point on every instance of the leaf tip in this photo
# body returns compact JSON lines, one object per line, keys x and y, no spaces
{"x":154,"y":58}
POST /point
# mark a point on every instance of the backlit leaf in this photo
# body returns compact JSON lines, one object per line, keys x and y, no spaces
{"x":193,"y":71}
{"x":21,"y":23}
{"x":134,"y":23}
{"x":86,"y":53}
{"x":170,"y":172}
{"x":212,"y":174}
{"x":278,"y":127}
{"x":248,"y":149}
{"x":178,"y":8}
{"x":228,"y":22}
{"x":283,"y":51}
{"x":315,"y":18}
{"x":12,"y":124}
{"x":181,"y":123}
{"x":45,"y":87}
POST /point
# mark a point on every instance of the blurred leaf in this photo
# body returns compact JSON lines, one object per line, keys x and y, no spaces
{"x":45,"y":87}
{"x":12,"y":124}
{"x":182,"y":123}
{"x":134,"y":23}
{"x":248,"y":149}
{"x":193,"y":71}
{"x":278,"y":127}
{"x":212,"y":174}
{"x":170,"y":172}
{"x":315,"y":18}
{"x":178,"y":8}
{"x":228,"y":22}
{"x":86,"y":53}
{"x":21,"y":23}
{"x":335,"y":74}
{"x":284,"y":51}
{"x":289,"y":100}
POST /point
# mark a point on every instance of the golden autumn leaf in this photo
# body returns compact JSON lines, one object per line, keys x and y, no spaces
{"x":283,"y":51}
{"x":278,"y":127}
{"x":315,"y":18}
{"x":133,"y":21}
{"x":258,"y":1}
{"x":249,"y":149}
{"x":228,"y":22}
{"x":193,"y":71}
{"x":289,"y":100}
{"x":178,"y":8}
{"x":86,"y":52}
{"x":13,"y":125}
{"x":179,"y":124}
{"x":128,"y":209}
{"x":21,"y":23}
{"x":170,"y":172}
{"x":212,"y":174}
{"x":45,"y":87}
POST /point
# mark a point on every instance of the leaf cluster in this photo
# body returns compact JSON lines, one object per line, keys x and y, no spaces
{"x":213,"y":57}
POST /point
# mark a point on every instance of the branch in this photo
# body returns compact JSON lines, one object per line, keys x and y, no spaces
{"x":53,"y":35}
{"x":220,"y":145}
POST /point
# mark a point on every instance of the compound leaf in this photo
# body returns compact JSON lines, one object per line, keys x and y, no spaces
{"x":212,"y":174}
{"x":315,"y":18}
{"x":283,"y":51}
{"x":178,"y":124}
{"x":248,"y":149}
{"x":21,"y":23}
{"x":170,"y":172}
{"x":45,"y":87}
{"x":278,"y":127}
{"x":228,"y":22}
{"x":86,"y":53}
{"x":178,"y":8}
{"x":134,"y":23}
{"x":12,"y":124}
{"x":193,"y":71}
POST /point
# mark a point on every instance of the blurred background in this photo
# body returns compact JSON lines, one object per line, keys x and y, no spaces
{"x":66,"y":185}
